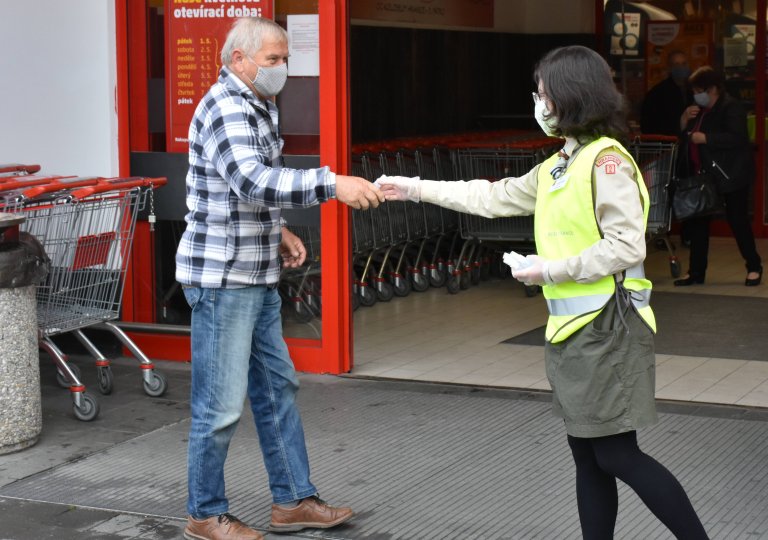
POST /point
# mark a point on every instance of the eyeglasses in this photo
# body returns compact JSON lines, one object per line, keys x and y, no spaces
{"x":538,"y":96}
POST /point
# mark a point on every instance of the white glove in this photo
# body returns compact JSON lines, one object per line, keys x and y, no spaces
{"x":400,"y":188}
{"x":516,"y":261}
{"x":532,"y":270}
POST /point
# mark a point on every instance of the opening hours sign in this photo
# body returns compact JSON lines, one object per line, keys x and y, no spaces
{"x":196,"y":30}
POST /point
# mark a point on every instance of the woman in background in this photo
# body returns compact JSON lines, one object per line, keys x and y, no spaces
{"x":714,"y":131}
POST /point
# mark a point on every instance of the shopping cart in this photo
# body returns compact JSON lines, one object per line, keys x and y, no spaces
{"x":300,"y":287}
{"x":367,"y":240}
{"x":376,"y":241}
{"x":17,"y":169}
{"x":86,"y":228}
{"x":483,"y":235}
{"x":656,"y":156}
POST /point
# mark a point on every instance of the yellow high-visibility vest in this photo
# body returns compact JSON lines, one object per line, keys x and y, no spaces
{"x":565,"y":225}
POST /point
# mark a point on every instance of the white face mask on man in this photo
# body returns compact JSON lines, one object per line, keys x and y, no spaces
{"x":546,"y":121}
{"x":269,"y":81}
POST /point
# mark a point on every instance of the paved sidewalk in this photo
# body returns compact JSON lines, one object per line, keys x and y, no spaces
{"x":417,"y":461}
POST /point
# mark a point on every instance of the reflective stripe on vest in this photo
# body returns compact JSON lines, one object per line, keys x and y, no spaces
{"x":565,"y":226}
{"x":579,"y":305}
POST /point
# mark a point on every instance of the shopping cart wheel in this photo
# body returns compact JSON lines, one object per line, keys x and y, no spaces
{"x":419,"y":282}
{"x":367,"y":296}
{"x":88,"y":409}
{"x":105,"y":379}
{"x":437,"y":278}
{"x":674,"y":267}
{"x":453,"y":284}
{"x":302,"y":312}
{"x":157,"y":386}
{"x":384,"y":291}
{"x":61,"y":379}
{"x":465,"y":280}
{"x":531,"y":290}
{"x":402,"y":286}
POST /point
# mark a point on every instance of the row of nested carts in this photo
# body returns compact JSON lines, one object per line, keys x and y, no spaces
{"x":401,"y":247}
{"x":80,"y":232}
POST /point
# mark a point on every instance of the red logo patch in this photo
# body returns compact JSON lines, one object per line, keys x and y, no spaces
{"x":610,"y":162}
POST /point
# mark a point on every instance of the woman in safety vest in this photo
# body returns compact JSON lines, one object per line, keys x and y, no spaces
{"x":591,"y":208}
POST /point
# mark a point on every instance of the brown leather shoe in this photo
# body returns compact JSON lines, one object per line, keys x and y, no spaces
{"x":223,"y":527}
{"x":311,"y":513}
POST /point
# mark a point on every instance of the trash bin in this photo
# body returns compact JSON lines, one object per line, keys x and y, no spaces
{"x":22,"y":265}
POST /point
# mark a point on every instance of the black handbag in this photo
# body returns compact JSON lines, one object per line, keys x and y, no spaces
{"x":697,"y":196}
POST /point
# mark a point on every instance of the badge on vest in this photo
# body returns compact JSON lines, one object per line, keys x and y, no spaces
{"x":559,"y":183}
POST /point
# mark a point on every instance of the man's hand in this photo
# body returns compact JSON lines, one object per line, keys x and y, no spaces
{"x":400,"y":188}
{"x":357,"y":192}
{"x":292,"y":250}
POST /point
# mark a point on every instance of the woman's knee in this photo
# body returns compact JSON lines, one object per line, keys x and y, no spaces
{"x":581,"y":450}
{"x":615,"y":453}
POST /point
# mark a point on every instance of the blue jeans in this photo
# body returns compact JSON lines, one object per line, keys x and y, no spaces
{"x":238,"y":347}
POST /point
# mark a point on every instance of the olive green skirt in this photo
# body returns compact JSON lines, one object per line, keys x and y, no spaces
{"x":603,"y":377}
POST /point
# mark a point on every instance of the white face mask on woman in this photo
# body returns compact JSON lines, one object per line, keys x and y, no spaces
{"x":545,"y":121}
{"x":702,"y":99}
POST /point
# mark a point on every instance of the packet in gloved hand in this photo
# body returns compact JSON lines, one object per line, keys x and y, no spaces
{"x":516,"y":261}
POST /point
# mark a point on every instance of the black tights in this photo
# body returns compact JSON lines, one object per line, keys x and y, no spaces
{"x":600,"y":461}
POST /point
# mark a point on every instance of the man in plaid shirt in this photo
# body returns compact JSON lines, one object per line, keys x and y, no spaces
{"x":228,"y":262}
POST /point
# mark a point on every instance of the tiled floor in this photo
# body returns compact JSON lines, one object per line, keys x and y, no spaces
{"x":435,"y":336}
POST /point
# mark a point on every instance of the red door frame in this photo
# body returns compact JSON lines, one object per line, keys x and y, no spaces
{"x":761,"y":228}
{"x":333,"y":352}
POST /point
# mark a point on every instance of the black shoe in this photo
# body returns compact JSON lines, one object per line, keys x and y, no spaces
{"x":755,"y":282}
{"x":685,"y":282}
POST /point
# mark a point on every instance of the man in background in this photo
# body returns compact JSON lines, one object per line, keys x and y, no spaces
{"x":665,"y":102}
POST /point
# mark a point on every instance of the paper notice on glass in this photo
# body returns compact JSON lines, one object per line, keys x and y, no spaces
{"x":734,"y":52}
{"x":304,"y":46}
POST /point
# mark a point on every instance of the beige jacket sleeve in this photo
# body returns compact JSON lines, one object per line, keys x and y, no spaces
{"x":507,"y":197}
{"x":619,"y":213}
{"x":618,"y":209}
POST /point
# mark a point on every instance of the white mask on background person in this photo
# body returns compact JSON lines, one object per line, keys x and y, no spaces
{"x":270,"y":81}
{"x":545,"y":121}
{"x":702,"y":99}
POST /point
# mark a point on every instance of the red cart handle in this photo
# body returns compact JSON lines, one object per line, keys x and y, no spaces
{"x":13,"y":183}
{"x":118,"y":184}
{"x":59,"y":185}
{"x":18,"y":167}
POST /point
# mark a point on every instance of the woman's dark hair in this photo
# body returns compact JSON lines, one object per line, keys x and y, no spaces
{"x":705,"y":78}
{"x":579,"y":85}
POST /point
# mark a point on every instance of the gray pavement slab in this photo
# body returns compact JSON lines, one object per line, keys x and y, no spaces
{"x":416,"y":461}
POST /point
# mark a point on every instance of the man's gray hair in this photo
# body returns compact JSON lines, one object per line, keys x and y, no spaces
{"x":247,"y":34}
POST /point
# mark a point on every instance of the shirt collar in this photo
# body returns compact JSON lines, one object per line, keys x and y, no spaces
{"x":233,"y":82}
{"x":570,"y":145}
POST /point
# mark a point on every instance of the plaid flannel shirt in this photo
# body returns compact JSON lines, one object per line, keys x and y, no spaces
{"x":236,"y":186}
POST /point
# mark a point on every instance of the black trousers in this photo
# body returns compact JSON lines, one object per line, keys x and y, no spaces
{"x":737,"y":214}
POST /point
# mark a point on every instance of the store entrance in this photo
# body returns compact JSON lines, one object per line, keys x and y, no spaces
{"x":433,"y":300}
